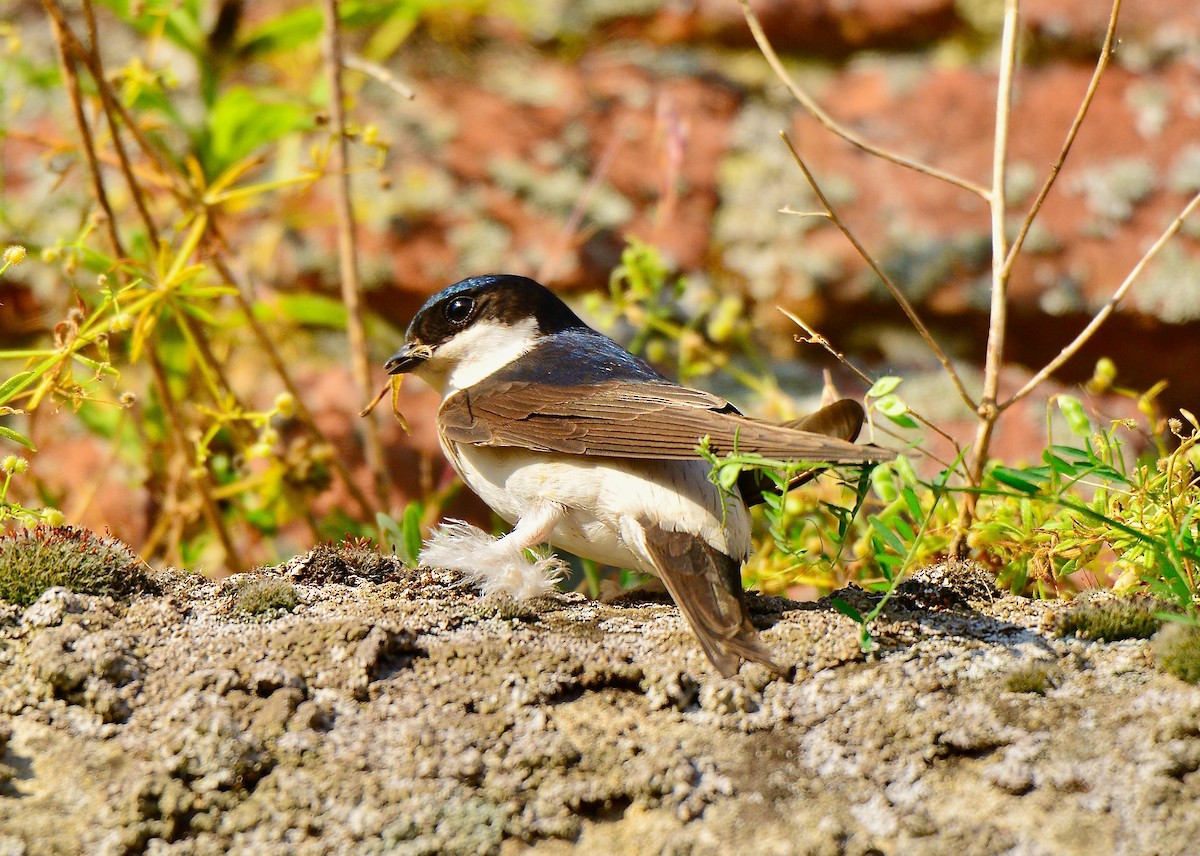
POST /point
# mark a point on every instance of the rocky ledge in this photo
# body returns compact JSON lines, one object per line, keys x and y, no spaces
{"x":341,"y":704}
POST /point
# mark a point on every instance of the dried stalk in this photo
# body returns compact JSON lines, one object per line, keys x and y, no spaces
{"x":1100,"y":317}
{"x":1093,"y":85}
{"x":815,"y":338}
{"x":896,"y":293}
{"x":347,"y":249}
{"x":815,"y":110}
{"x":998,"y":322}
{"x":378,"y":72}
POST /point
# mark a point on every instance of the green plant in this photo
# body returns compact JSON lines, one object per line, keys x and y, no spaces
{"x":159,"y":310}
{"x":33,"y":560}
{"x":1177,"y":650}
{"x":1035,"y":678}
{"x":1112,"y":620}
{"x":264,"y":595}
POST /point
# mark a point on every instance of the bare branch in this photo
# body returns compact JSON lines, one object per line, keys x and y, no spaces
{"x":1101,"y":65}
{"x":815,"y":110}
{"x":1108,"y":308}
{"x":347,"y":248}
{"x":999,"y":308}
{"x":896,"y":293}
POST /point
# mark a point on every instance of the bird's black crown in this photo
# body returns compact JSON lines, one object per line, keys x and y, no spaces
{"x":504,"y":298}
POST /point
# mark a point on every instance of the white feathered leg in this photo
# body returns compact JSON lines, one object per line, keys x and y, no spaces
{"x":499,"y":565}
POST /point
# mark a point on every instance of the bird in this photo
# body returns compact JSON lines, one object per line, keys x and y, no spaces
{"x":581,"y":445}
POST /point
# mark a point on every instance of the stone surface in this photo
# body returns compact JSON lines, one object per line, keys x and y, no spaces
{"x":400,"y":713}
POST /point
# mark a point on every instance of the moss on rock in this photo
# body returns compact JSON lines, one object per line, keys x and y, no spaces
{"x":34,"y":560}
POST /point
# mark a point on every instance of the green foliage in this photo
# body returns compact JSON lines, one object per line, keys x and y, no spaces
{"x":264,"y":595}
{"x":1112,"y":620}
{"x":1087,"y":505}
{"x":157,"y":322}
{"x":33,"y":560}
{"x":647,"y":310}
{"x":1177,"y":651}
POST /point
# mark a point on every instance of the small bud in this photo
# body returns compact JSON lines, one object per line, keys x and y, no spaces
{"x":14,"y":255}
{"x":370,"y":135}
{"x":102,"y":280}
{"x":50,"y":254}
{"x":128,"y":399}
{"x":268,"y":437}
{"x":75,"y":315}
{"x":285,"y":405}
{"x":259,"y":450}
{"x":120,"y":323}
{"x":53,"y":517}
{"x":14,"y":465}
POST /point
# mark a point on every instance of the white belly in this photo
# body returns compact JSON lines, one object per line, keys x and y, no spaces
{"x":602,"y":495}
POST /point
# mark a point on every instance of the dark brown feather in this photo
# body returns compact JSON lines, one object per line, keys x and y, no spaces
{"x":620,"y":419}
{"x":706,"y":585}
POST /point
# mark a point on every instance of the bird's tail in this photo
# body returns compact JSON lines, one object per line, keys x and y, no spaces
{"x":706,"y":585}
{"x":841,"y":420}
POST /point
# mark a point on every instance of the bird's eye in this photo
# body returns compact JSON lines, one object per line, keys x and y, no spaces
{"x":459,"y":310}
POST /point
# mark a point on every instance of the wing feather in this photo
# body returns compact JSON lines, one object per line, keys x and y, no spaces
{"x":617,"y":418}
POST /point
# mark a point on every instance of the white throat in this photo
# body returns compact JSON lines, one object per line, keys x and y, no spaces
{"x":476,"y":352}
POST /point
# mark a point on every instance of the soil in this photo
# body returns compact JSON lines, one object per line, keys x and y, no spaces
{"x":392,"y":710}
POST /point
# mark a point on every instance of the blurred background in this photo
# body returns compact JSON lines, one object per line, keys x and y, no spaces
{"x":567,"y":141}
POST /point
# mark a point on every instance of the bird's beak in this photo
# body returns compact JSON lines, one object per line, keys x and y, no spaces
{"x":407,"y":358}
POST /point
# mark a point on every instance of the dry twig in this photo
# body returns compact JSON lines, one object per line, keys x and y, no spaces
{"x":896,"y":293}
{"x":815,"y":110}
{"x":347,"y":249}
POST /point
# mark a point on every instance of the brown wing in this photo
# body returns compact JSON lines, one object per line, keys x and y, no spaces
{"x":622,"y":419}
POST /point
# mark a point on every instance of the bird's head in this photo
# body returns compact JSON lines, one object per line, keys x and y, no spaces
{"x":472,"y":328}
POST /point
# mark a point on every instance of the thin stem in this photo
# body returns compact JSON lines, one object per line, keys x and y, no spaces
{"x":378,"y":72}
{"x":896,"y":293}
{"x":107,"y":100}
{"x":305,"y":415}
{"x":207,"y":504}
{"x":63,"y":36}
{"x":815,"y":338}
{"x":999,"y":308}
{"x":1100,"y":317}
{"x":347,"y":249}
{"x":815,"y":110}
{"x":987,"y":411}
{"x":1101,"y":65}
{"x":67,"y":65}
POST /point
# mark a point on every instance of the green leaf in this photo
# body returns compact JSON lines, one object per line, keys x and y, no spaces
{"x":241,"y":121}
{"x":1076,"y":416}
{"x":883,"y":386}
{"x":846,"y":609}
{"x":310,"y":310}
{"x":886,"y":535}
{"x":1016,"y":479}
{"x":896,"y":410}
{"x":10,"y":434}
{"x":13,"y":385}
{"x":285,"y":32}
{"x":413,"y":514}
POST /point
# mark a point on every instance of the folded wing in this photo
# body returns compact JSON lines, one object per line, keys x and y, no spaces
{"x":622,"y":419}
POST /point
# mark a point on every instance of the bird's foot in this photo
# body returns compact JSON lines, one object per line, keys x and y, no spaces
{"x":496,"y":565}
